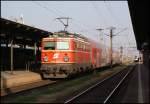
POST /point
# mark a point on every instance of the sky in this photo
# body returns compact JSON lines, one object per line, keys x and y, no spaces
{"x":86,"y":17}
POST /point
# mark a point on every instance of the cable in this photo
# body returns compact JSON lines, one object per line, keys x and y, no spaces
{"x":50,"y":10}
{"x":98,"y":12}
{"x":111,"y":13}
{"x":120,"y":31}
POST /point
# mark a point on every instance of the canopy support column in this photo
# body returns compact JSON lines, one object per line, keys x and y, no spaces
{"x":11,"y":56}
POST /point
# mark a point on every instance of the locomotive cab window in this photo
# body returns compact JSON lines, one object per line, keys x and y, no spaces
{"x":62,"y":45}
{"x":49,"y":45}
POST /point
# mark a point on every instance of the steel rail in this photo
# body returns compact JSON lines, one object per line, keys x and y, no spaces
{"x":93,"y":86}
{"x":118,"y":85}
{"x":26,"y":87}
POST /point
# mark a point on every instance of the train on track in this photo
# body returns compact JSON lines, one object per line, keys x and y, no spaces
{"x":65,"y":54}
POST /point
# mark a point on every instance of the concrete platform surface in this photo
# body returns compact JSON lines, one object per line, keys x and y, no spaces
{"x":18,"y":78}
{"x":137,"y":90}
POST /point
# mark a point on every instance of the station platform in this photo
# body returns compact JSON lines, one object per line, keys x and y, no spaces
{"x":18,"y":78}
{"x":137,"y":90}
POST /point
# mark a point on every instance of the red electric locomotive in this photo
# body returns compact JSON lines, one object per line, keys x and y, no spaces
{"x":64,"y":54}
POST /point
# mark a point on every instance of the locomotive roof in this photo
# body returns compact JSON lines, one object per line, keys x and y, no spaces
{"x":66,"y":34}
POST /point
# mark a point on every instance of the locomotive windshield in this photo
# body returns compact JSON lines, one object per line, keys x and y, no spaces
{"x":49,"y":45}
{"x":56,"y":45}
{"x":62,"y":45}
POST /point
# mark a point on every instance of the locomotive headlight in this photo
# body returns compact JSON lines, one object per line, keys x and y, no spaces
{"x":45,"y":58}
{"x":66,"y":58}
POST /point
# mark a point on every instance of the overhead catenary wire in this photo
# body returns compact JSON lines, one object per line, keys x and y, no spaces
{"x":109,"y":9}
{"x":47,"y":9}
{"x":98,"y":12}
{"x":50,"y":10}
{"x":120,"y":31}
{"x":56,"y":10}
{"x":58,"y":14}
{"x":111,"y":13}
{"x":78,"y":24}
{"x":77,"y":21}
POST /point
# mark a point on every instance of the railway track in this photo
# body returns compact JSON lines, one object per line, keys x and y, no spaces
{"x":102,"y":91}
{"x":29,"y":88}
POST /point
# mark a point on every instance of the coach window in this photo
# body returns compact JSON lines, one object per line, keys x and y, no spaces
{"x":78,"y":46}
{"x":88,"y":48}
{"x":84,"y":47}
{"x":81,"y":46}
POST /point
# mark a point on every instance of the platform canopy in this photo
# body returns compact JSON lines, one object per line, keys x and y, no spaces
{"x":20,"y":44}
{"x":140,"y":16}
{"x":21,"y":33}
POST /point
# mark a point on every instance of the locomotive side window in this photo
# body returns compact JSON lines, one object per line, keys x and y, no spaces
{"x":62,"y":45}
{"x":78,"y":46}
{"x":49,"y":45}
{"x":75,"y":45}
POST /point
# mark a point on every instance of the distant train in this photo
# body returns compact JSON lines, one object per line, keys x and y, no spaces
{"x":65,"y":54}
